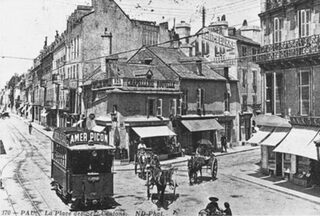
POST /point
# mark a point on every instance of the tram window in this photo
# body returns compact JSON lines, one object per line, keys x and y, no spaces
{"x":91,"y":161}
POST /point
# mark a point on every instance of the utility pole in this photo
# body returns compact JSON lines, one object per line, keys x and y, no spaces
{"x":203,"y":16}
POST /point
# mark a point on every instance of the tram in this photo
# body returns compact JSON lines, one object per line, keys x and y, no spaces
{"x":82,"y":167}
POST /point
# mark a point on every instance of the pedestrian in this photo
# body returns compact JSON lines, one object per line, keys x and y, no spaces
{"x":213,"y":207}
{"x":224,"y":143}
{"x":30,"y":128}
{"x":227,"y":211}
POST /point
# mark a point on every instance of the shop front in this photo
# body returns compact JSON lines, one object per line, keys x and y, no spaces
{"x":160,"y":139}
{"x":192,"y":131}
{"x":299,"y":155}
{"x":271,"y":162}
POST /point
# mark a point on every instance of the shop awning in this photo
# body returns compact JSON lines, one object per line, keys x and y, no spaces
{"x":98,"y":128}
{"x":271,"y":121}
{"x":153,"y":131}
{"x":259,"y":136}
{"x":299,"y":141}
{"x":276,"y":136}
{"x":202,"y":125}
{"x":310,"y":150}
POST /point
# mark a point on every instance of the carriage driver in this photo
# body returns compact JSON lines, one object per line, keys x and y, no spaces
{"x":141,"y":145}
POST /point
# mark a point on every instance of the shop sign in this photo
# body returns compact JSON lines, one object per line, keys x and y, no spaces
{"x":84,"y":137}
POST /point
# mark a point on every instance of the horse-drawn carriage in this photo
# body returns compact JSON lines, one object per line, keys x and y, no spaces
{"x":161,"y":177}
{"x":204,"y":157}
{"x":142,"y":159}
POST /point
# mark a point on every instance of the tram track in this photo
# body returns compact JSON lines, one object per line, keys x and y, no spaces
{"x":33,"y":147}
{"x":30,"y":150}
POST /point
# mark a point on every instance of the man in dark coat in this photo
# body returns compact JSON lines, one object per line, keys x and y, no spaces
{"x":224,"y":143}
{"x":213,"y":206}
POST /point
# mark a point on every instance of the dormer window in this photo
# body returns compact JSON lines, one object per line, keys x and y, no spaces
{"x":147,"y":61}
{"x":199,"y":68}
{"x":149,"y":74}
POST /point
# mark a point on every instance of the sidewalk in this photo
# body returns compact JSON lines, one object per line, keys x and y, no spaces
{"x":311,"y":194}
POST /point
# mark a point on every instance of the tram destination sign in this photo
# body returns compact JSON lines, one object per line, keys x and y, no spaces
{"x":78,"y":138}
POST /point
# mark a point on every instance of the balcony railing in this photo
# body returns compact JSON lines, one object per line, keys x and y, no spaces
{"x":290,"y":49}
{"x":135,"y":84}
{"x":272,"y":4}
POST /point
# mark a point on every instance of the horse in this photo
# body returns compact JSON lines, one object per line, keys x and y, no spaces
{"x":195,"y":164}
{"x":161,"y":178}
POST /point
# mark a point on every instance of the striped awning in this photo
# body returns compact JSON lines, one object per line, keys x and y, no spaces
{"x":259,"y":136}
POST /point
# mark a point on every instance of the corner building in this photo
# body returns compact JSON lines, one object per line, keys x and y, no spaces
{"x":289,"y":59}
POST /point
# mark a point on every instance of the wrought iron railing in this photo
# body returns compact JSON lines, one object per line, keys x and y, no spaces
{"x":135,"y":83}
{"x":290,"y":49}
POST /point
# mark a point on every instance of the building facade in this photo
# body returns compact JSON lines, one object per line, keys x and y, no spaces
{"x":289,"y":58}
{"x":225,"y":46}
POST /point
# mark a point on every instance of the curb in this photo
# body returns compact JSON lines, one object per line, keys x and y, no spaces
{"x":277,"y":189}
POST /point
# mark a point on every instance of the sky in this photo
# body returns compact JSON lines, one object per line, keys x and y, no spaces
{"x":25,"y":23}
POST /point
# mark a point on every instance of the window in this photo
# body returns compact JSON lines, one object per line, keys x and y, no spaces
{"x":197,"y":48}
{"x":274,"y":92}
{"x":159,"y":107}
{"x":226,"y":101}
{"x":254,"y":99}
{"x":151,"y":107}
{"x":244,"y":102}
{"x":207,"y":49}
{"x":254,"y":53}
{"x":278,"y":93}
{"x":200,"y":98}
{"x":77,"y":74}
{"x":254,"y":80}
{"x":304,"y":92}
{"x":269,"y":96}
{"x":184,"y":101}
{"x":304,"y":19}
{"x":203,"y":48}
{"x":244,"y":50}
{"x":179,"y":108}
{"x":173,"y":107}
{"x":277,"y":30}
{"x":244,"y":77}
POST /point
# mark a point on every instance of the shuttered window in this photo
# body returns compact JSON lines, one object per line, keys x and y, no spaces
{"x":159,"y":107}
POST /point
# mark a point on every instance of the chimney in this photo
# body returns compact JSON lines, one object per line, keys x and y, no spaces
{"x":203,"y":16}
{"x":226,"y":72}
{"x":57,"y":34}
{"x":45,"y":42}
{"x":106,"y":48}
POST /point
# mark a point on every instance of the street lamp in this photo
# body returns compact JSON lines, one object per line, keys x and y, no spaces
{"x":317,"y":144}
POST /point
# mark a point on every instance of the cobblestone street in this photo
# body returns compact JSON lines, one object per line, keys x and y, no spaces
{"x":26,"y":178}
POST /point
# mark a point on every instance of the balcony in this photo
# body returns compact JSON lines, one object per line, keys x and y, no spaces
{"x":272,"y":4}
{"x":135,"y":84}
{"x":298,"y":49}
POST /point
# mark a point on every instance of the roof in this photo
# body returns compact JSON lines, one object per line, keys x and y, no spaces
{"x":183,"y":65}
{"x":243,"y":39}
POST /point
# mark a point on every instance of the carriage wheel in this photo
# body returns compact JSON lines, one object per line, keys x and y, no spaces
{"x":148,"y":185}
{"x":214,"y":169}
